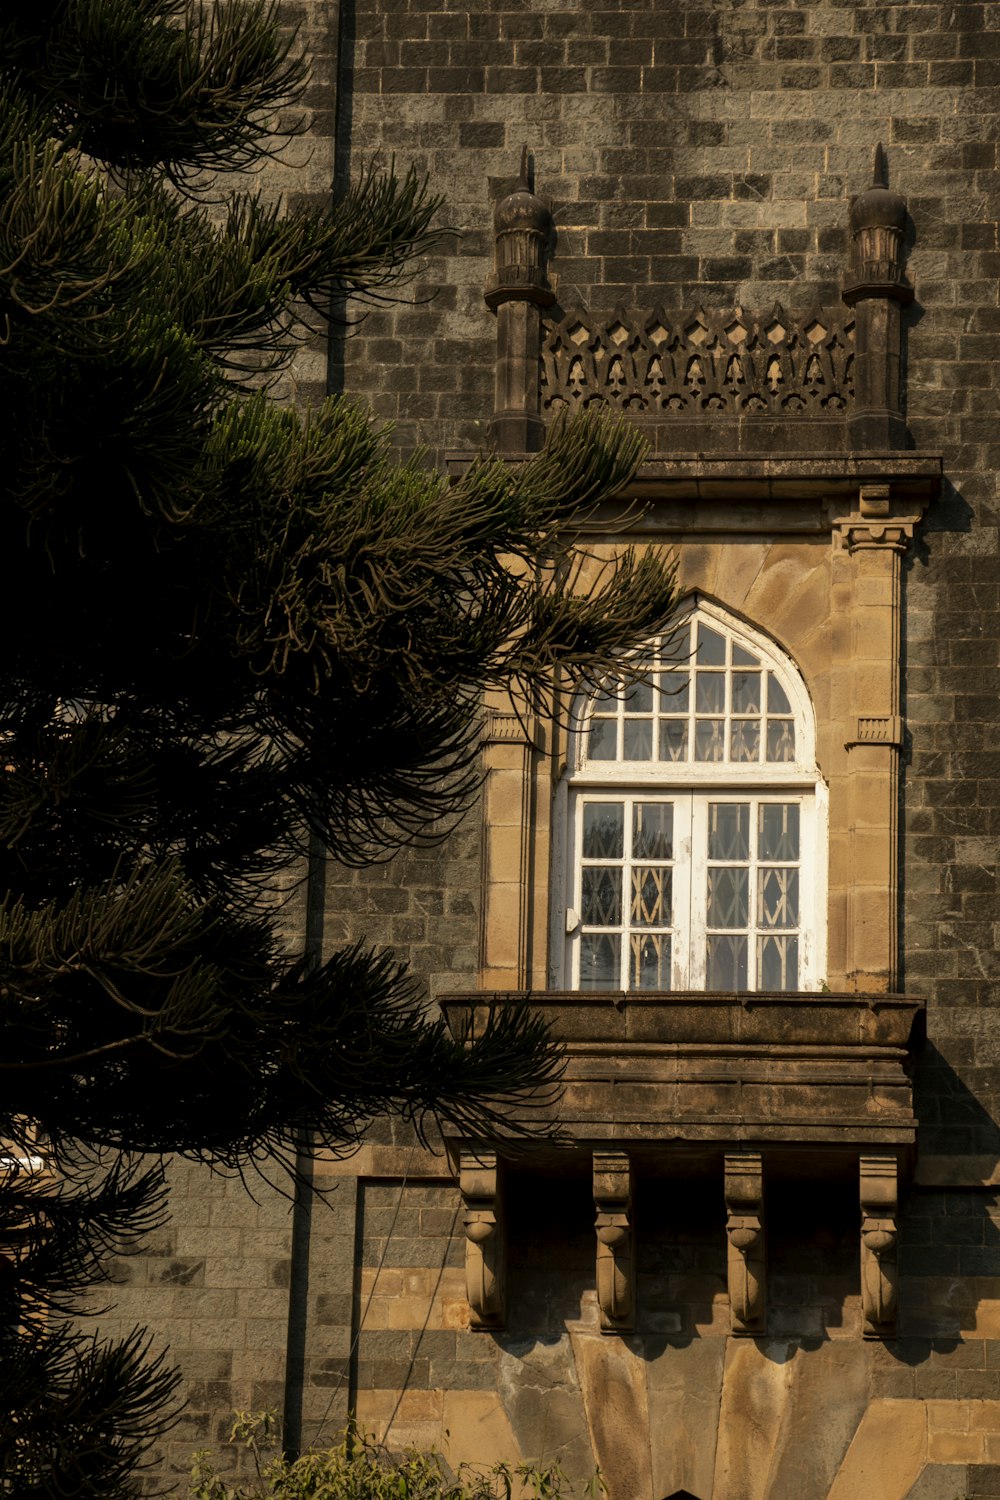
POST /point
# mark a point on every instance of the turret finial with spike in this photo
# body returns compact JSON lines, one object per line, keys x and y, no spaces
{"x":880,"y":170}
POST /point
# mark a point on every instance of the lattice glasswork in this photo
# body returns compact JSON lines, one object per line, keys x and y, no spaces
{"x":600,"y":962}
{"x":690,"y":869}
{"x":727,"y":962}
{"x":649,"y":967}
{"x":626,"y":910}
{"x":601,"y":903}
{"x":752,"y":902}
{"x":603,"y":830}
{"x":703,"y":697}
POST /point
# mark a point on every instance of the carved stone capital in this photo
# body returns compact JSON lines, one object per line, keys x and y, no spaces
{"x":485,"y":1249}
{"x":879,"y":1234}
{"x":613,"y":1223}
{"x":747,"y":1267}
{"x":873,"y":525}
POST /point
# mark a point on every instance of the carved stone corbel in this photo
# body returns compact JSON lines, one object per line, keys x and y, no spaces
{"x":485,"y":1251}
{"x":744,"y":1189}
{"x":879,"y":1233}
{"x":613,"y":1202}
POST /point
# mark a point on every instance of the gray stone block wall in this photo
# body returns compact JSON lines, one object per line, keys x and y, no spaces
{"x":212,"y":1289}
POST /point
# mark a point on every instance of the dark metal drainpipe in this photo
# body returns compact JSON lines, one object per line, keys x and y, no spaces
{"x":342,"y":29}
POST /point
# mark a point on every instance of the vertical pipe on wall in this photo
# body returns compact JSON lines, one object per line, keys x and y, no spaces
{"x":340,"y":30}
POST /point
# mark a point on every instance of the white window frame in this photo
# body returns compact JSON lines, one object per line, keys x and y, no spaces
{"x":692,"y":786}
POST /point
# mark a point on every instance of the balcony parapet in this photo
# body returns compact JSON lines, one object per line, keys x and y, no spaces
{"x":796,"y":1069}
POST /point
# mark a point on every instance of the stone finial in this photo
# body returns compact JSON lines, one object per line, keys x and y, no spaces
{"x":879,"y":1234}
{"x":613,"y":1203}
{"x":877,"y":289}
{"x":878,"y":222}
{"x":482,"y":1221}
{"x":517,"y":290}
{"x":522,"y":227}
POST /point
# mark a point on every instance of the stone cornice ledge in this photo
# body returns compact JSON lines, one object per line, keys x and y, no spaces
{"x":787,"y":476}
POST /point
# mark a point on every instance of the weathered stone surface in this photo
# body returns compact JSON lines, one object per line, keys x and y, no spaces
{"x":684,"y":1386}
{"x":756,"y":1383}
{"x":612,"y":1376}
{"x":541,"y":1395}
{"x":940,"y":1482}
{"x":887,"y":1453}
{"x":828,"y":1396}
{"x":476,"y":1429}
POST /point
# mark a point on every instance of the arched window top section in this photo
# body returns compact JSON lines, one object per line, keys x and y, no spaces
{"x":715,"y":698}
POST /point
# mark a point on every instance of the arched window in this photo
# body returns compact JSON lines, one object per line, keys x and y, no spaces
{"x":695,"y":821}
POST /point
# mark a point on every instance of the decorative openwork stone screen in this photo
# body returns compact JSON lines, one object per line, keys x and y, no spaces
{"x":726,"y":362}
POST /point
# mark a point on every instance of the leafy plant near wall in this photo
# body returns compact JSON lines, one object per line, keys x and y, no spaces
{"x":226,"y":624}
{"x":357,"y":1468}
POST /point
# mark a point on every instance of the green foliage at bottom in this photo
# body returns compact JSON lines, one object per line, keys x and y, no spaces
{"x":357,"y":1468}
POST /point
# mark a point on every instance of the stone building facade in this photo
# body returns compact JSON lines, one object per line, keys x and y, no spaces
{"x":781,"y":1105}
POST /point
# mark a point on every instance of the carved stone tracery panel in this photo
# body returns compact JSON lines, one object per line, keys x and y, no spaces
{"x":724,"y":362}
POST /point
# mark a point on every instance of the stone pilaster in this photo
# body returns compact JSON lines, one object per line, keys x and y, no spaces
{"x":869,"y":579}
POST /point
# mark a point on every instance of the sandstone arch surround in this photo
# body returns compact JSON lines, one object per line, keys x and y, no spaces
{"x":811,"y":553}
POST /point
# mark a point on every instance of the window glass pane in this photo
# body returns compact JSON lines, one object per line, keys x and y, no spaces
{"x":726,"y":968}
{"x":744,"y":740}
{"x":674,"y":693}
{"x":710,"y":739}
{"x":653,"y":830}
{"x":651,"y":895}
{"x":778,"y":830}
{"x":711,"y":648}
{"x":778,"y":963}
{"x":603,"y":739}
{"x":601,"y":898}
{"x":637,"y":741}
{"x":728,"y":892}
{"x":600,"y":967}
{"x":606,"y":701}
{"x":603,"y":830}
{"x":744,"y":658}
{"x":777,"y":698}
{"x":777,"y":898}
{"x":746,"y":693}
{"x":639,"y":698}
{"x":780,"y":739}
{"x":710,"y":692}
{"x":649,"y":967}
{"x":729,"y":830}
{"x":673,"y":739}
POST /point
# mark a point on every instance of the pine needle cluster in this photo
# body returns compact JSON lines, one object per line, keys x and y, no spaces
{"x":226,"y":625}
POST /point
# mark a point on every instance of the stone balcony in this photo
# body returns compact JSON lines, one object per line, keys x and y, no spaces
{"x":739,"y":1070}
{"x":731,"y":1086}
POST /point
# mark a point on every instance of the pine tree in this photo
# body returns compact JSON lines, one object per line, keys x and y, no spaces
{"x":226,"y":625}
